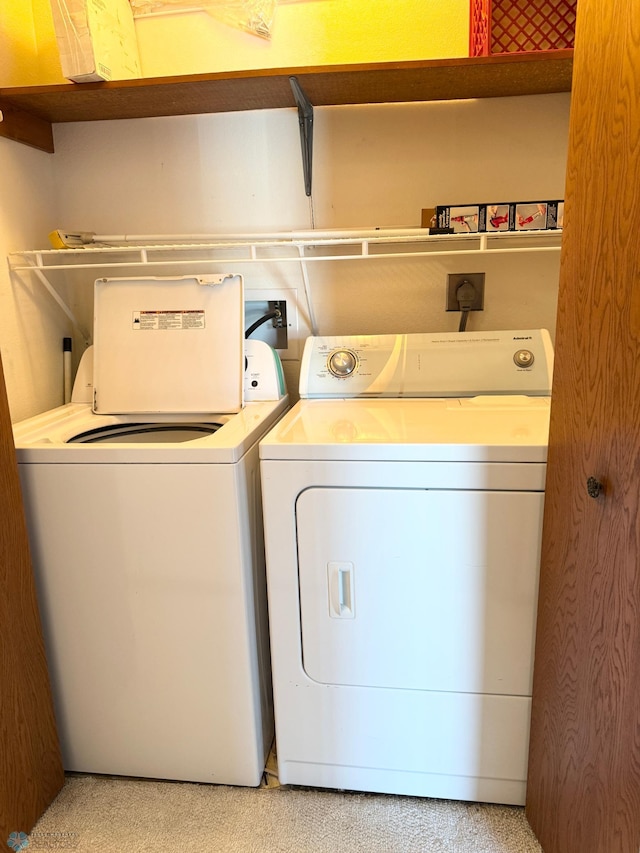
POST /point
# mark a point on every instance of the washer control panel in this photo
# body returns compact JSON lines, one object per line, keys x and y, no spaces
{"x":428,"y":365}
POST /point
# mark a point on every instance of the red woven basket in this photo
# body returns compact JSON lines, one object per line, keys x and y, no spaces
{"x":515,"y":26}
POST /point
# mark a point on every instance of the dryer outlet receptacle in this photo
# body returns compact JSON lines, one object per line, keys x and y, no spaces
{"x":455,"y":280}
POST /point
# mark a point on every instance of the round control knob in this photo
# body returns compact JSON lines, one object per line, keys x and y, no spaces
{"x":342,"y":362}
{"x":524,"y":358}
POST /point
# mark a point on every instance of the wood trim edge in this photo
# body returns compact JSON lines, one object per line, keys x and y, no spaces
{"x":24,"y":127}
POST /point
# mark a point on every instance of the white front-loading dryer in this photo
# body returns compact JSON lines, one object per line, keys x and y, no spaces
{"x":146,"y":535}
{"x":403,"y":544}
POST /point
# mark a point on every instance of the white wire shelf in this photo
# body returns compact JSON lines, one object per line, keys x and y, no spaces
{"x":106,"y":254}
{"x":113,"y":251}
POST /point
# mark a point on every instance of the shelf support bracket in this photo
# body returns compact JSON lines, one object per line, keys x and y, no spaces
{"x":86,"y":337}
{"x":305,"y":119}
{"x":307,"y":290}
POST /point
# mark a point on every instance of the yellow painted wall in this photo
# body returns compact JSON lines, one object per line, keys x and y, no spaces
{"x":18,"y":52}
{"x":304,"y":33}
{"x":315,"y":32}
{"x":48,"y":58}
{"x":28,"y":54}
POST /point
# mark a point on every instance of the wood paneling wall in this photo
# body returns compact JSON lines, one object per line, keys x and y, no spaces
{"x":31,"y":772}
{"x":583,"y":793}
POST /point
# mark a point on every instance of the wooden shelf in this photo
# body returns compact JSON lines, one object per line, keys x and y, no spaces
{"x":29,"y":113}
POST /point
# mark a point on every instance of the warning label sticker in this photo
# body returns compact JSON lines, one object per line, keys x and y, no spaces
{"x":168,"y":320}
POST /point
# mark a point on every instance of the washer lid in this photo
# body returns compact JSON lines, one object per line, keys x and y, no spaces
{"x":171,"y":345}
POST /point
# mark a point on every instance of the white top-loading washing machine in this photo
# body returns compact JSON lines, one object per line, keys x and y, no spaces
{"x":144,"y":516}
{"x":402,"y":501}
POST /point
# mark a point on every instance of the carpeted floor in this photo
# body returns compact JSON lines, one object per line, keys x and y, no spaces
{"x":98,"y":814}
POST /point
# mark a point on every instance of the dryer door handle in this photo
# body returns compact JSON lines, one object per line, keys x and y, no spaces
{"x":341,"y":590}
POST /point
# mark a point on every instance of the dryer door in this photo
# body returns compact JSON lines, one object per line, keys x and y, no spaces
{"x":419,"y":589}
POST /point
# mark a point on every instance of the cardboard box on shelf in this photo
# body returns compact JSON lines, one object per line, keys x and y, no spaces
{"x":501,"y":216}
{"x":96,"y":39}
{"x":428,"y":218}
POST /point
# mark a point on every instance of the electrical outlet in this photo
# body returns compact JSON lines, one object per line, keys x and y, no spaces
{"x":454,"y":280}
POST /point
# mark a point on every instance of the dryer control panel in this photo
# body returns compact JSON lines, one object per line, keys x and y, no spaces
{"x":467,"y":364}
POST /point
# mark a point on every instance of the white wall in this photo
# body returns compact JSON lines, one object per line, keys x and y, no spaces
{"x":373,"y":166}
{"x":240,"y":172}
{"x":31,"y":325}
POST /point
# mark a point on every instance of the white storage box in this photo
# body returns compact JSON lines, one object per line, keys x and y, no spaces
{"x":96,"y":39}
